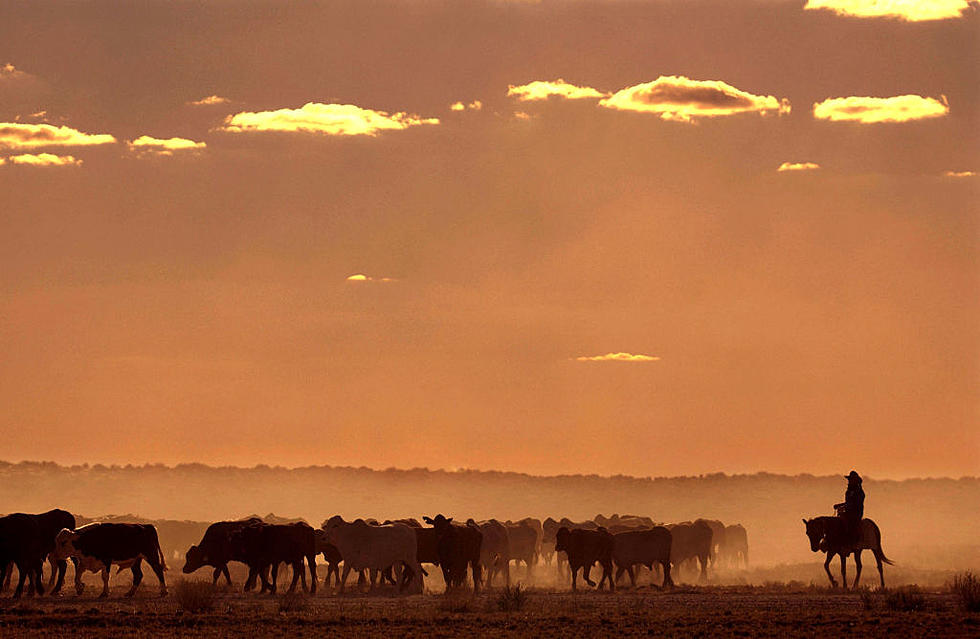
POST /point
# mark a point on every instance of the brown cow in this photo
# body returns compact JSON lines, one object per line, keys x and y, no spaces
{"x":642,"y":547}
{"x":584,"y":548}
{"x":458,"y":546}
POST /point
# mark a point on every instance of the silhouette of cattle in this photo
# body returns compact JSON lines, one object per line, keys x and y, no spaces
{"x":494,"y":550}
{"x":95,"y":547}
{"x":583,"y":549}
{"x":459,"y":546}
{"x":691,"y":542}
{"x":264,"y":546}
{"x":717,"y":536}
{"x":642,"y":547}
{"x":216,"y":548}
{"x":22,"y":544}
{"x":375,"y":547}
{"x":736,"y":547}
{"x":49,"y":524}
{"x":525,"y":545}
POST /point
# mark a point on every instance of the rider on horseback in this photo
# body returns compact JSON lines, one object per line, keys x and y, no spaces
{"x":852,"y":509}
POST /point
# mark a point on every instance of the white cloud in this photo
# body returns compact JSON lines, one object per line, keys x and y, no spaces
{"x":908,"y":10}
{"x":361,"y":277}
{"x":686,"y":100}
{"x":41,"y":159}
{"x":16,"y":135}
{"x":544,"y":89}
{"x":798,"y":166}
{"x":866,"y":110}
{"x":9,"y":73}
{"x":618,"y":357}
{"x":209,"y":101}
{"x":326,"y":119}
{"x":146,"y":145}
{"x":960,"y":174}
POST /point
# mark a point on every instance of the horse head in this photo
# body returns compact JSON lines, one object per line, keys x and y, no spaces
{"x":815,"y":532}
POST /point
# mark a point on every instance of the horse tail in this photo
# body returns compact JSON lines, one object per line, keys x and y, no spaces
{"x":879,"y":553}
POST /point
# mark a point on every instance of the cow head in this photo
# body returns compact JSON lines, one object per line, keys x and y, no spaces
{"x":815,"y":532}
{"x":439,"y":522}
{"x":193,"y":559}
{"x":562,"y":539}
{"x":331,"y":526}
{"x":64,"y":546}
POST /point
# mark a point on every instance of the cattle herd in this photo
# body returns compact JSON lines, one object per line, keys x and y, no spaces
{"x":478,"y":553}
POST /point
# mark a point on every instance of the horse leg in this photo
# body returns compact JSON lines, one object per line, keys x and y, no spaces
{"x":826,"y":567}
{"x":881,"y":573}
{"x":857,"y":566}
{"x":843,"y":569}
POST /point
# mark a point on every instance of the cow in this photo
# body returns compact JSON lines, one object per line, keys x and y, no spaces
{"x":525,"y":544}
{"x":48,"y":525}
{"x":265,"y":546}
{"x":22,"y":544}
{"x":717,"y":537}
{"x":367,"y":547}
{"x":101,"y":545}
{"x":458,"y":546}
{"x":736,"y":547}
{"x":216,"y":548}
{"x":494,"y":550}
{"x":691,"y":542}
{"x":584,"y":548}
{"x":642,"y":547}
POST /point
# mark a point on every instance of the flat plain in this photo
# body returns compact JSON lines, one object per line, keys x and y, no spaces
{"x":777,"y":610}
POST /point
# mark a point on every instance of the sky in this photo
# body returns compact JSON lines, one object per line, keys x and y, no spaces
{"x":650,"y":237}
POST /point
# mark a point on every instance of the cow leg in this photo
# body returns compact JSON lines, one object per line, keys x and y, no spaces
{"x":106,"y":565}
{"x":21,"y":576}
{"x":302,"y":575}
{"x":79,"y":585}
{"x":39,"y":583}
{"x":250,"y":580}
{"x":574,"y":570}
{"x":826,"y":567}
{"x":62,"y":570}
{"x":477,"y":575}
{"x":586,"y":569}
{"x":607,"y":571}
{"x":215,"y":576}
{"x":311,"y":562}
{"x":857,"y":567}
{"x":632,"y":574}
{"x":275,"y":576}
{"x":224,"y":571}
{"x":5,"y":573}
{"x":157,"y":568}
{"x":137,"y":570}
{"x":506,"y":569}
{"x":343,"y":578}
{"x":668,"y":581}
{"x":704,"y":569}
{"x":299,"y":571}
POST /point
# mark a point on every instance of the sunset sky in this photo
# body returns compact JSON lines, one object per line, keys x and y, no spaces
{"x":648,"y":237}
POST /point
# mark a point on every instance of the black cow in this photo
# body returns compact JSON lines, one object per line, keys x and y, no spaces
{"x":49,"y":524}
{"x":457,"y":546}
{"x":584,"y":548}
{"x":97,"y":546}
{"x":22,"y":544}
{"x":265,"y":546}
{"x":645,"y":548}
{"x":216,"y":548}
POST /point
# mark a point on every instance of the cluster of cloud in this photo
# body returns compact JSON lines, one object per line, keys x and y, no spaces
{"x":867,"y":110}
{"x":146,"y":145}
{"x":209,"y":101}
{"x":618,"y":357}
{"x":544,"y":89}
{"x":674,"y":97}
{"x":798,"y":166}
{"x":908,"y":10}
{"x":960,"y":174}
{"x":10,"y":73}
{"x":41,"y":159}
{"x":475,"y":105}
{"x":326,"y":119}
{"x":361,"y":277}
{"x":17,"y":135}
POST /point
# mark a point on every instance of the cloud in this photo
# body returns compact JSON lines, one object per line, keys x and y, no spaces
{"x":521,"y":115}
{"x":900,"y":108}
{"x":361,"y":277}
{"x":146,"y":145}
{"x":16,"y":135}
{"x":960,"y":174}
{"x":209,"y":101}
{"x":42,"y":159}
{"x":908,"y":10}
{"x":8,"y":73}
{"x":618,"y":357}
{"x":682,"y":99}
{"x":544,"y":89}
{"x":798,"y":166}
{"x":475,"y":105}
{"x":327,"y":119}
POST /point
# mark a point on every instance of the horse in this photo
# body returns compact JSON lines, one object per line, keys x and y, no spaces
{"x":826,"y":535}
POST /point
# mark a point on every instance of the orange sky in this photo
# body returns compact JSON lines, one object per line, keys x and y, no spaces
{"x":652,"y":238}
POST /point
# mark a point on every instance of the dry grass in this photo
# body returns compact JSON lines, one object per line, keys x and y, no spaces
{"x":906,"y":598}
{"x":966,"y":587}
{"x":512,"y":599}
{"x":194,"y":596}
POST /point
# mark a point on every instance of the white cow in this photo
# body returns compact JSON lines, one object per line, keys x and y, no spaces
{"x":375,"y":548}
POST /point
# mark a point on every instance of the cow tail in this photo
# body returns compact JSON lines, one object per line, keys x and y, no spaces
{"x":163,"y":560}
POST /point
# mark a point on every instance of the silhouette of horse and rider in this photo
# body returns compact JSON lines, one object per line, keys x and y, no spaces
{"x":849,"y":532}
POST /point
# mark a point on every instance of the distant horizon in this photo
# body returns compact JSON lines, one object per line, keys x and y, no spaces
{"x":461,"y":470}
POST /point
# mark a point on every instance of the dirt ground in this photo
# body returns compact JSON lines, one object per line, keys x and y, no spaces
{"x":713,"y":611}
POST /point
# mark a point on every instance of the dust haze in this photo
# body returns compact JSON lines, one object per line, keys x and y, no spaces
{"x":928,"y":525}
